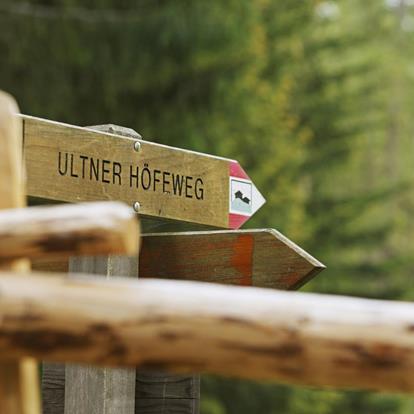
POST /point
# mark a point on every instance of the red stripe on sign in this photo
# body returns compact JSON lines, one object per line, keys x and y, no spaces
{"x":237,"y":171}
{"x":242,"y":259}
{"x":237,"y":220}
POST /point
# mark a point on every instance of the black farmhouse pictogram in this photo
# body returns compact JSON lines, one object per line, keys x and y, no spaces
{"x":239,"y":195}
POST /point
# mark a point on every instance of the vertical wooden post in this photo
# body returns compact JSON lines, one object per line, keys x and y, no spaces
{"x":100,"y":390}
{"x":19,"y":383}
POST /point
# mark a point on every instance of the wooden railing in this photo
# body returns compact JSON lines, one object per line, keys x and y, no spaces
{"x":291,"y":337}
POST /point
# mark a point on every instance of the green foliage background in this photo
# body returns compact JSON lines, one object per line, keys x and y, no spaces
{"x":314,"y":98}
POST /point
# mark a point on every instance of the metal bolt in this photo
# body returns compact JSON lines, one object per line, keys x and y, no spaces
{"x":137,"y":146}
{"x":136,"y":206}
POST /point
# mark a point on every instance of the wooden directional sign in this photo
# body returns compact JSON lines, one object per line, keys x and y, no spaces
{"x":70,"y":163}
{"x":262,"y":258}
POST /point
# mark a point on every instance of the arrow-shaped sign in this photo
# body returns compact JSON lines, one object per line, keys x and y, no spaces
{"x":261,"y":258}
{"x":69,"y":163}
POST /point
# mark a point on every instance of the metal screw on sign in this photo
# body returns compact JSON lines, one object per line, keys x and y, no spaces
{"x":137,"y":206}
{"x":137,"y":146}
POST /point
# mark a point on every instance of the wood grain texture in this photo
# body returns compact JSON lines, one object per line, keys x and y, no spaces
{"x":255,"y":333}
{"x":263,"y":258}
{"x":62,"y":164}
{"x":19,"y":385}
{"x":93,"y":389}
{"x":53,"y":266}
{"x":53,"y":388}
{"x":61,"y":231}
{"x":177,"y":394}
{"x":96,"y":390}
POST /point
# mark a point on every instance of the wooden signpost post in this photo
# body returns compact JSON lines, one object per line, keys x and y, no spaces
{"x":57,"y":232}
{"x":70,"y":164}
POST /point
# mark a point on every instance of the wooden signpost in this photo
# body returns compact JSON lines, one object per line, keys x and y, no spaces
{"x":181,"y":326}
{"x":69,"y":163}
{"x":263,"y":258}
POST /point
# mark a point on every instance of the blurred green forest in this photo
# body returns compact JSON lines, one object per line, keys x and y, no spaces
{"x":314,"y":98}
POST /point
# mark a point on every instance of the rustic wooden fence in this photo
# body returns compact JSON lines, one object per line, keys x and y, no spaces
{"x":169,"y":329}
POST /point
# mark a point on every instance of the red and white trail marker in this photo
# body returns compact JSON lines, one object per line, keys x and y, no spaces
{"x":244,"y":198}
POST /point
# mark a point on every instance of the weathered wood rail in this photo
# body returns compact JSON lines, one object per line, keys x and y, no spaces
{"x":180,"y":326}
{"x":68,"y":230}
